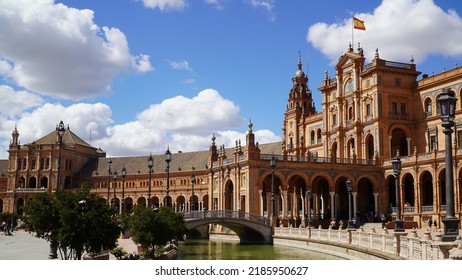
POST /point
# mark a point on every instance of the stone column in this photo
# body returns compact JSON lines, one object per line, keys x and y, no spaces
{"x":376,"y":207}
{"x":260,"y":192}
{"x":408,"y":146}
{"x":355,"y":204}
{"x":332,"y":203}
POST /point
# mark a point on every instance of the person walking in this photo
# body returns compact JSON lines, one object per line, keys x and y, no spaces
{"x":430,"y":222}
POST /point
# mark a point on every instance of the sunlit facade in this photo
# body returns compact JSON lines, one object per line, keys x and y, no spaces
{"x":369,"y":114}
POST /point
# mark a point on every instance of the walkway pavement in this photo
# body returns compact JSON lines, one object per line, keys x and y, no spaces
{"x":25,"y":246}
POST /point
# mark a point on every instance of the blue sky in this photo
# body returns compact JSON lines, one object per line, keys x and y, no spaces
{"x":134,"y":76}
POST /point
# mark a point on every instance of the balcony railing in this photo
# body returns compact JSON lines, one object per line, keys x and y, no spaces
{"x":30,"y":190}
{"x":428,"y":208}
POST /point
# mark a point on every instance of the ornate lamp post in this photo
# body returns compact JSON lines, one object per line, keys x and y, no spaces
{"x":309,"y":194}
{"x":193,"y":180}
{"x":349,"y":185}
{"x":114,"y":186}
{"x":61,"y":131}
{"x":109,"y":162}
{"x":396,"y":164}
{"x":122,"y":207}
{"x":168,"y":158}
{"x":447,"y":106}
{"x":150,"y":165}
{"x":273,"y":201}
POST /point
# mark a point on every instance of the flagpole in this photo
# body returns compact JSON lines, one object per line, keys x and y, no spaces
{"x":352,"y":31}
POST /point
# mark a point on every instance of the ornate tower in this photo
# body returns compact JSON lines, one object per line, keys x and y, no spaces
{"x":299,"y":106}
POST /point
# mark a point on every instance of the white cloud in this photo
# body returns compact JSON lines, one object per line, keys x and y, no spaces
{"x":165,"y":4}
{"x":56,"y":50}
{"x":218,"y":4}
{"x":208,"y":111}
{"x":189,"y":81}
{"x":142,"y":64}
{"x":398,"y":28}
{"x":267,"y":5}
{"x":185,"y":124}
{"x":180,"y":65}
{"x":14,"y":102}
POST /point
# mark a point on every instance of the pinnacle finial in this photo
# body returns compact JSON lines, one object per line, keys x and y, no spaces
{"x":250,"y":125}
{"x":299,"y":61}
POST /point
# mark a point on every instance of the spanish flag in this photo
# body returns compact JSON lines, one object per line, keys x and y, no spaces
{"x":358,"y":24}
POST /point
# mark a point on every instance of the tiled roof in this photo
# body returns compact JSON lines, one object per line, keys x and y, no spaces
{"x":179,"y":162}
{"x":69,"y":137}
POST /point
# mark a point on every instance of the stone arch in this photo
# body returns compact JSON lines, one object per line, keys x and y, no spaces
{"x":348,"y":86}
{"x":32,"y":182}
{"x":399,"y":142}
{"x":155,"y":201}
{"x":141,"y":201}
{"x":334,"y":152}
{"x":319,"y":136}
{"x":20,"y":204}
{"x":365,"y":200}
{"x":370,"y":148}
{"x":321,"y":197}
{"x":115,"y":203}
{"x":180,"y":203}
{"x":341,"y":199}
{"x":441,"y":187}
{"x":428,"y":106}
{"x":21,"y":182}
{"x":205,"y":202}
{"x":390,"y":183}
{"x":128,"y":204}
{"x":294,"y":201}
{"x":408,"y":190}
{"x":44,"y":182}
{"x":350,"y":147}
{"x":266,"y":194}
{"x":229,"y":195}
{"x":426,"y":187}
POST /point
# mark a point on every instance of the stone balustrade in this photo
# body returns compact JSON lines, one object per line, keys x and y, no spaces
{"x":382,"y":243}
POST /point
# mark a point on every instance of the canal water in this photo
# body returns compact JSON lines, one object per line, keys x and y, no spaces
{"x":201,"y":249}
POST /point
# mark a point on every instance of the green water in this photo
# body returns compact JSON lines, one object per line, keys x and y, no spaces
{"x":221,"y":250}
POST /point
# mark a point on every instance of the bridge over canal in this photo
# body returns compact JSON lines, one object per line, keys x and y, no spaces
{"x":249,"y":227}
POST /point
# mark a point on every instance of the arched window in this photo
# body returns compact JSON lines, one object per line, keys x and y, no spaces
{"x":428,"y":107}
{"x":312,"y":137}
{"x":348,"y":86}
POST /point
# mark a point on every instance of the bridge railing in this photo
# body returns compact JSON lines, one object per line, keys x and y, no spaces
{"x":398,"y":246}
{"x":228,"y":214}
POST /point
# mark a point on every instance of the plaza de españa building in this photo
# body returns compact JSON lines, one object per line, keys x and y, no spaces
{"x":370,"y":113}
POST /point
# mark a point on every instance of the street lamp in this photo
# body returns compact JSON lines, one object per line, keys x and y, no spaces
{"x":61,"y":131}
{"x":193,"y":180}
{"x":109,"y":162}
{"x":168,"y":158}
{"x":396,"y":164}
{"x":124,"y":173}
{"x":309,"y":194}
{"x":114,"y":186}
{"x":447,"y":105}
{"x":150,"y":165}
{"x":349,"y":186}
{"x":273,"y":201}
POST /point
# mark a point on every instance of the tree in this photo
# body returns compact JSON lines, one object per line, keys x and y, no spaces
{"x":73,"y":221}
{"x":152,"y":229}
